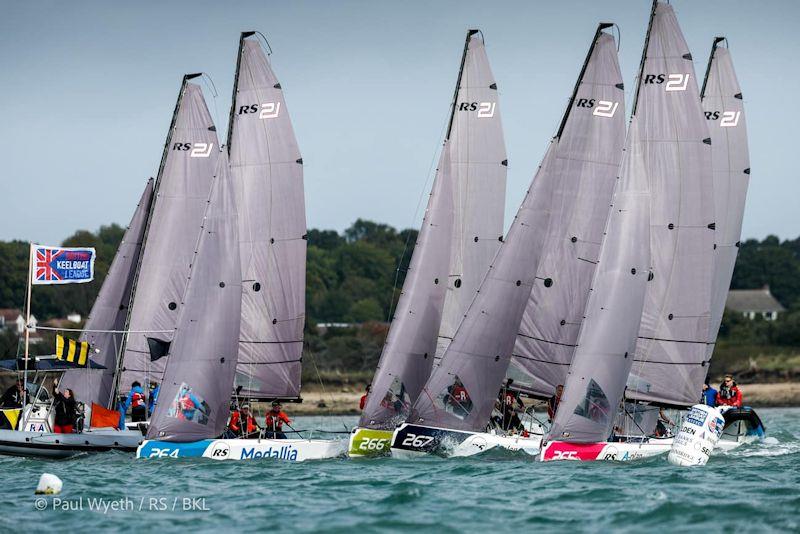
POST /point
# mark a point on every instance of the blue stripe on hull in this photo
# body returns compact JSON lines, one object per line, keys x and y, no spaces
{"x":168,"y":449}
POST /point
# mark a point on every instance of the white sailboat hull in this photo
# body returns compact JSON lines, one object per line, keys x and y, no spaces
{"x":289,"y":450}
{"x":411,"y":441}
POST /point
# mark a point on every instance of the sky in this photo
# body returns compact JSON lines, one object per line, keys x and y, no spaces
{"x":88,"y":89}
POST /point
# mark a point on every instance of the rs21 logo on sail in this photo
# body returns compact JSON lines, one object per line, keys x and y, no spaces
{"x":727,"y":119}
{"x":602,"y":108}
{"x":674,"y":82}
{"x":267,"y":110}
{"x":196,"y":150}
{"x":485,"y":109}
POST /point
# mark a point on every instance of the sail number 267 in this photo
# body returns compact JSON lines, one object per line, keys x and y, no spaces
{"x":413,"y":440}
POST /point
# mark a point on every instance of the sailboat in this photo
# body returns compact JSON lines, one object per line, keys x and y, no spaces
{"x":451,"y":417}
{"x":456,"y":243}
{"x":258,"y":210}
{"x":649,"y":309}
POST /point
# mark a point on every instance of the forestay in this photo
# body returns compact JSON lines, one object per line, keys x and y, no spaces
{"x":478,"y":164}
{"x":578,"y":196}
{"x":181,"y":197}
{"x":103,"y":329}
{"x":671,"y":358}
{"x":195,"y":394}
{"x":464,"y":385}
{"x":267,"y":174}
{"x":724,"y":111}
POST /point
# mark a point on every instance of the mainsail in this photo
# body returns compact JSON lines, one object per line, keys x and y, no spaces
{"x":671,"y":359}
{"x":478,"y":165}
{"x":267,"y":175}
{"x":724,"y":112}
{"x":181,"y":197}
{"x":584,"y":152}
{"x":196,"y":390}
{"x":579,"y":208}
{"x":103,"y":329}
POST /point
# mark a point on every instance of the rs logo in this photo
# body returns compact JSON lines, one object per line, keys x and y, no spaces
{"x":729,"y":118}
{"x":163,"y":453}
{"x":198,"y":150}
{"x":565,"y":455}
{"x":413,"y":440}
{"x":373,"y":444}
{"x":677,"y":82}
{"x":605,"y":108}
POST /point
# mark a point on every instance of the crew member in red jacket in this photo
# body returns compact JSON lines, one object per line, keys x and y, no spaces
{"x":273,"y":422}
{"x":363,"y":401}
{"x":729,"y":393}
{"x":242,"y":424}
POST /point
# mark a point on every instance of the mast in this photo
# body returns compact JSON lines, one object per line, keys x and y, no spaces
{"x":644,"y":58}
{"x":242,"y":37}
{"x":717,"y":40}
{"x":470,"y":33}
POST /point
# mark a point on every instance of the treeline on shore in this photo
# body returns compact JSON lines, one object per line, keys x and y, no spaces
{"x":354,"y":277}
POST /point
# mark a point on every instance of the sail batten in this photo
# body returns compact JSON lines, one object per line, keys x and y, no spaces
{"x":267,"y":174}
{"x":463,"y":386}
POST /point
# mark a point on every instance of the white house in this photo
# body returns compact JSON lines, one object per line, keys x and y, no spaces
{"x":754,"y":303}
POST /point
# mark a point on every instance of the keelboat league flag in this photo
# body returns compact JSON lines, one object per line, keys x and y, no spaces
{"x":60,"y":265}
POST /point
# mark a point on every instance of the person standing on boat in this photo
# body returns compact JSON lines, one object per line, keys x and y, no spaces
{"x":552,"y":402}
{"x":242,"y":423}
{"x":709,"y":395}
{"x":273,"y":422}
{"x":136,"y":402}
{"x":14,"y":397}
{"x":729,"y":393}
{"x":509,"y":402}
{"x":363,"y":401}
{"x":64,"y":406}
{"x":152,"y":399}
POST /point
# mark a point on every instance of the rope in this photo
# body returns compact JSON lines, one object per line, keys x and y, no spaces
{"x":56,"y":329}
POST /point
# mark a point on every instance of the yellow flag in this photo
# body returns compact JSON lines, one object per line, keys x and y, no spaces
{"x":72,"y":351}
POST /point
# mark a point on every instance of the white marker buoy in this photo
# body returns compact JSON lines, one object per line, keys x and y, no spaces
{"x":699,"y":432}
{"x":49,"y":484}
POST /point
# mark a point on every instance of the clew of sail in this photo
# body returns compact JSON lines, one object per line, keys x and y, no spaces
{"x":181,"y":197}
{"x":578,"y":196}
{"x":109,"y":313}
{"x":267,"y":174}
{"x":478,"y":165}
{"x":196,"y":390}
{"x":671,"y":359}
{"x":463,"y":386}
{"x":730,"y":160}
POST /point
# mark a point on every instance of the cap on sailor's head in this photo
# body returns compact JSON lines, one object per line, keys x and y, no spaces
{"x":245,"y":406}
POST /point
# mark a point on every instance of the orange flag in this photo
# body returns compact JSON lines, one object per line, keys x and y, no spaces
{"x":103,"y":417}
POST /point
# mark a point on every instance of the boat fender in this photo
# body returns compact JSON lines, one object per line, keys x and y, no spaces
{"x":49,"y":484}
{"x":699,"y":432}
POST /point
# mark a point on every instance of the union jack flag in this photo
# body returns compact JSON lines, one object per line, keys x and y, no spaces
{"x":60,"y":265}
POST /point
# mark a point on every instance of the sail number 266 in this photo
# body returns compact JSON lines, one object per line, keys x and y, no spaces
{"x":373,"y":444}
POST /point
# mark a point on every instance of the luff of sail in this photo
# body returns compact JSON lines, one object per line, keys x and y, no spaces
{"x":478,"y":165}
{"x":195,"y":393}
{"x":109,"y":313}
{"x":671,"y":355}
{"x":585,"y":149}
{"x":549,"y":328}
{"x":267,"y":174}
{"x":730,"y":160}
{"x":607,"y":339}
{"x":408,"y":354}
{"x":181,"y":197}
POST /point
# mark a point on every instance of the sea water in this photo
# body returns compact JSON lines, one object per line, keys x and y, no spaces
{"x":755,"y":488}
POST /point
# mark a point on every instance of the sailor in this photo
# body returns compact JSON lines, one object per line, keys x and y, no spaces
{"x":136,"y":402}
{"x":709,"y":395}
{"x":363,"y":401}
{"x":729,"y":393}
{"x":242,"y":423}
{"x":152,"y":399}
{"x":13,"y":397}
{"x":552,"y":402}
{"x":509,"y":402}
{"x":459,"y":399}
{"x":273,"y":422}
{"x":661,"y":430}
{"x":64,"y":406}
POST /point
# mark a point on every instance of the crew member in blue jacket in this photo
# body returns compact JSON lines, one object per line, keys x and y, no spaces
{"x":153,"y":398}
{"x":136,"y":401}
{"x":709,"y":397}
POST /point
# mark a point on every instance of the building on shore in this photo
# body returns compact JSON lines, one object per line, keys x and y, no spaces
{"x":752,"y":303}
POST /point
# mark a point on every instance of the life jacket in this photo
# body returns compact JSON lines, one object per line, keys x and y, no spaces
{"x":509,"y":398}
{"x":460,"y":394}
{"x":137,"y":399}
{"x":362,"y":402}
{"x":236,"y":425}
{"x":274,"y":421}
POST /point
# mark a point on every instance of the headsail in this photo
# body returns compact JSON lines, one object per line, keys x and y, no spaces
{"x":671,"y":355}
{"x":196,"y":390}
{"x":464,"y":385}
{"x":181,"y":197}
{"x":730,"y":158}
{"x":478,"y":165}
{"x":110,"y":311}
{"x":580,"y":202}
{"x":267,"y":174}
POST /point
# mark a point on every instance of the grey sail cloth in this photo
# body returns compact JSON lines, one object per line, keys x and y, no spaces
{"x":109,"y":312}
{"x":195,"y":394}
{"x":181,"y":196}
{"x":478,"y":163}
{"x":267,"y":175}
{"x":408,"y":354}
{"x":578,"y":197}
{"x":671,"y":359}
{"x":730,"y":158}
{"x":585,"y":150}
